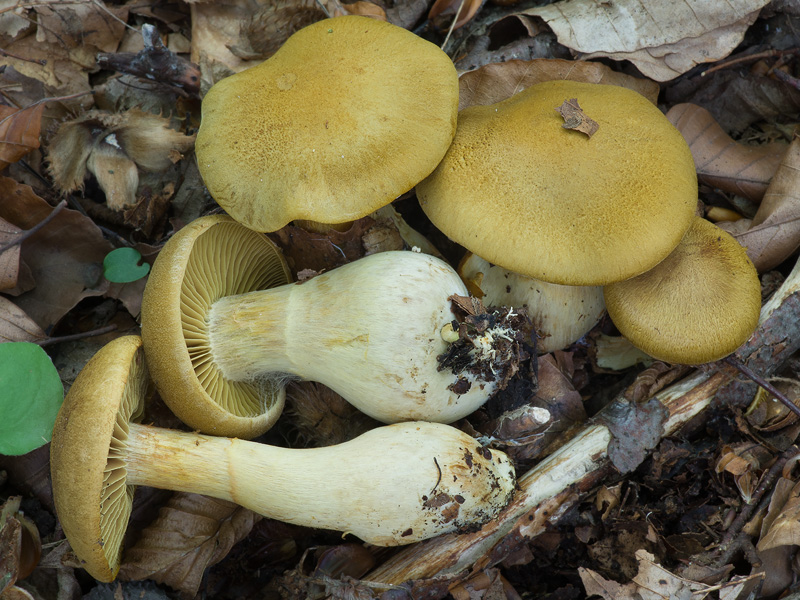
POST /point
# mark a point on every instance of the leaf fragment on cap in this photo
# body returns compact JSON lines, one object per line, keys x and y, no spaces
{"x":575,"y":118}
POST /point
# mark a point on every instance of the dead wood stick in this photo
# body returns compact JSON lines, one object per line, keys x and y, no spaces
{"x":556,"y":482}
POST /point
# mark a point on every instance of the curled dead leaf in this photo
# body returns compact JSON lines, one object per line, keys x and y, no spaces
{"x":774,"y":233}
{"x":191,"y":533}
{"x":498,"y":81}
{"x":722,"y":162}
{"x":575,"y":118}
{"x":64,"y":257}
{"x":443,"y":12}
{"x":9,"y":258}
{"x":19,"y":132}
{"x":663,"y":40}
{"x":16,"y":326}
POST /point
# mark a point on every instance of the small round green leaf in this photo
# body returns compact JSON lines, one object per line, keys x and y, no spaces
{"x":30,"y":395}
{"x":124,"y":265}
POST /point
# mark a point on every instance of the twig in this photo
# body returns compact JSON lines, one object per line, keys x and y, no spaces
{"x":727,"y":546}
{"x":786,"y":78}
{"x":28,"y":233}
{"x":37,"y":61}
{"x":76,"y":336}
{"x":748,"y":58}
{"x":155,"y":63}
{"x":747,"y":371}
{"x":453,"y":24}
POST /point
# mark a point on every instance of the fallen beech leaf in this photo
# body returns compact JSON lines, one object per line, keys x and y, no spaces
{"x":95,"y":24}
{"x":720,"y":161}
{"x":443,"y":12}
{"x":497,"y":81}
{"x":365,"y":9}
{"x":774,"y":232}
{"x":597,"y":585}
{"x":9,"y":259}
{"x":781,"y":526}
{"x":20,"y":545}
{"x":655,"y":582}
{"x":739,"y":98}
{"x":320,"y":252}
{"x":19,"y":132}
{"x":575,"y":118}
{"x":191,"y":533}
{"x":16,"y":326}
{"x":65,"y":256}
{"x":234,"y":35}
{"x":663,"y":40}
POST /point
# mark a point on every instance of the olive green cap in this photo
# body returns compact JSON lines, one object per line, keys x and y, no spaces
{"x":349,"y":114}
{"x":520,"y":190}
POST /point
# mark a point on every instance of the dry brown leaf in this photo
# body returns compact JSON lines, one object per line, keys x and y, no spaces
{"x":575,"y":118}
{"x":191,"y":533}
{"x":782,"y":525}
{"x":232,"y":36}
{"x":774,"y":233}
{"x":19,"y":132}
{"x":656,"y":583}
{"x":720,"y":161}
{"x":443,"y":12}
{"x":76,"y":24}
{"x":608,"y":589}
{"x":9,"y":259}
{"x":498,"y":81}
{"x":61,"y":50}
{"x":16,"y":326}
{"x":264,"y":30}
{"x":65,"y":256}
{"x":365,"y":9}
{"x":663,"y":39}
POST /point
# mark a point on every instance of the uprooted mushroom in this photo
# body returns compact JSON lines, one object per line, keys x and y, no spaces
{"x":370,"y":330}
{"x":393,"y":485}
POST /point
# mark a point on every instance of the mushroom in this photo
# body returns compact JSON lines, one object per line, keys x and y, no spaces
{"x":393,"y":485}
{"x":347,"y":115}
{"x":192,"y":275}
{"x":561,"y":314}
{"x":370,"y":330}
{"x":523,"y":192}
{"x":696,"y":306}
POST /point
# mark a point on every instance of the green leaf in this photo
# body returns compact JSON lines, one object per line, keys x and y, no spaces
{"x":30,"y":396}
{"x":124,"y":265}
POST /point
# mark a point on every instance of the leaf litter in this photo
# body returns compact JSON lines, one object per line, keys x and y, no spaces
{"x":698,"y":511}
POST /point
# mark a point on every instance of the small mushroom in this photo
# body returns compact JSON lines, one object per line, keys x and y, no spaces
{"x":370,"y":330}
{"x":393,"y":485}
{"x":561,"y":314}
{"x":523,"y":192}
{"x":346,"y":116}
{"x":696,"y":306}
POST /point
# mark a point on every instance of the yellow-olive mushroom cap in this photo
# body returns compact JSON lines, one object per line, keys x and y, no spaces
{"x":696,"y":306}
{"x":350,"y":113}
{"x":92,"y":499}
{"x":210,"y":258}
{"x":525,"y":193}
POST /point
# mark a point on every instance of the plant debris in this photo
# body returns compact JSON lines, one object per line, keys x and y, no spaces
{"x":490,"y":343}
{"x":575,"y":118}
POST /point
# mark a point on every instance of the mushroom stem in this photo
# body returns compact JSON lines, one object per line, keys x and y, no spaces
{"x":370,"y":330}
{"x":393,"y":485}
